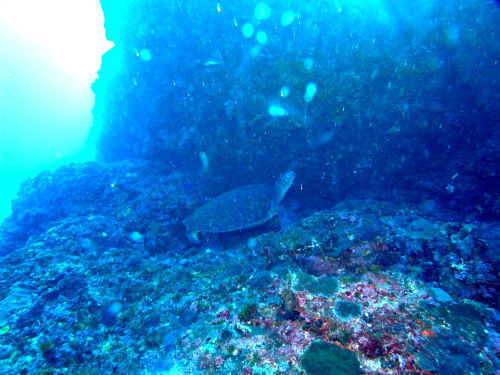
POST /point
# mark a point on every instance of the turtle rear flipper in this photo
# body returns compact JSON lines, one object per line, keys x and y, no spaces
{"x":287,"y":217}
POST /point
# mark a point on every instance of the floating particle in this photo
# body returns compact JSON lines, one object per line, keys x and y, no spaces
{"x":254,"y":51}
{"x":261,"y":37}
{"x":144,"y":54}
{"x":252,"y":243}
{"x":452,"y":35}
{"x":311,"y":90}
{"x":287,"y":18}
{"x":308,"y":63}
{"x":136,"y":237}
{"x":211,"y":62}
{"x":285,"y":91}
{"x":205,"y":161}
{"x":247,"y":30}
{"x":110,"y":311}
{"x":277,"y":111}
{"x":262,"y":11}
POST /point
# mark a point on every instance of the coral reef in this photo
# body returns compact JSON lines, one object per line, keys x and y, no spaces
{"x":113,"y":286}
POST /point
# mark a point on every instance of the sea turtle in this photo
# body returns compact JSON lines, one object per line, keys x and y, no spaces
{"x":244,"y":207}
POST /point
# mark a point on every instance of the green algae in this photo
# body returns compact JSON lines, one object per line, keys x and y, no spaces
{"x":248,"y":312}
{"x":320,"y":286}
{"x":322,"y":358}
{"x":346,"y":310}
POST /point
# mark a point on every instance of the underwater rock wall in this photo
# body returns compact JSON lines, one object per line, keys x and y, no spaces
{"x":394,"y":95}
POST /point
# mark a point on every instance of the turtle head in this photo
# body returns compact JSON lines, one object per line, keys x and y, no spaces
{"x":283,"y":184}
{"x":193,"y":237}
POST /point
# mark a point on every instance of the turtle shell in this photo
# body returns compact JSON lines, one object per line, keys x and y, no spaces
{"x":240,"y":208}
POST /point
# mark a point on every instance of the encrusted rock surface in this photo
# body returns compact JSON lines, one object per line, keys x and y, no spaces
{"x":112,"y":286}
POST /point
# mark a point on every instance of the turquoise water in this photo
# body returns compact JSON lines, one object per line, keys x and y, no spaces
{"x":50,"y":56}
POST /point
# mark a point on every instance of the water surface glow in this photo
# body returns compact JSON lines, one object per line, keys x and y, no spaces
{"x":51,"y":52}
